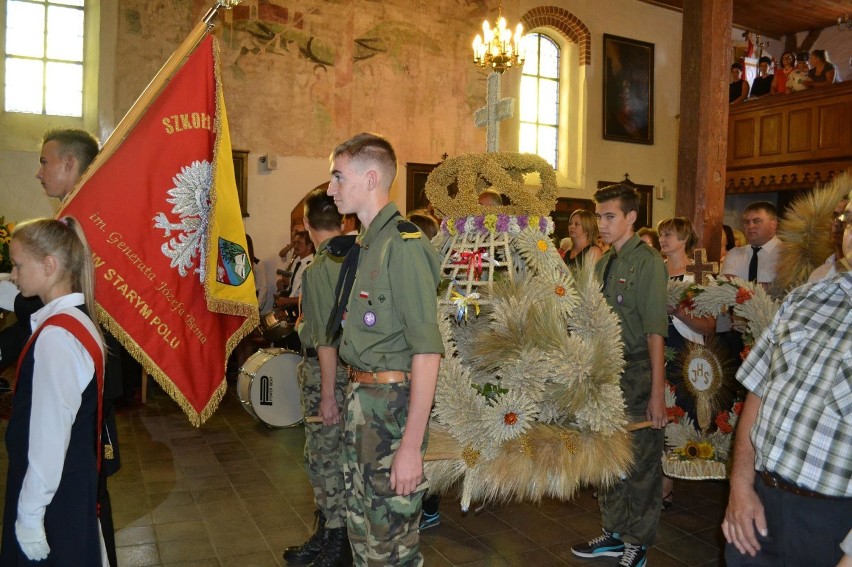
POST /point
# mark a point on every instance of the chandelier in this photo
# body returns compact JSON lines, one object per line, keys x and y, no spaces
{"x":498,"y":47}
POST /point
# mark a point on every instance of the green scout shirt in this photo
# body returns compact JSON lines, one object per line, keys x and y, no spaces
{"x":318,"y":302}
{"x":636,"y":291}
{"x":392,"y":312}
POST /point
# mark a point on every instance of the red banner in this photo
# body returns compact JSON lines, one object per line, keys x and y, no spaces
{"x":173,"y":279}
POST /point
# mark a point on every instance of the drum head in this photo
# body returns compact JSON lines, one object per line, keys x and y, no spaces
{"x":268,"y":387}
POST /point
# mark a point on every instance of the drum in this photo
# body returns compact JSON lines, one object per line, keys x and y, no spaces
{"x":276,"y":325}
{"x":269,"y":388}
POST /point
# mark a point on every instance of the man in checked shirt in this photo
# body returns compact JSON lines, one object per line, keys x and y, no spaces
{"x":791,"y":480}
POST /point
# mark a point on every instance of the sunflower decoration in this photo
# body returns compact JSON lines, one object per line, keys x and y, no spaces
{"x":697,"y":450}
{"x":694,"y":454}
{"x":6,"y":229}
{"x":511,"y":415}
{"x":538,"y":252}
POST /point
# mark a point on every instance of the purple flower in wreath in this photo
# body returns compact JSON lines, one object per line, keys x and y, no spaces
{"x":460,"y":225}
{"x":542,"y":224}
{"x":479,"y":223}
{"x":444,"y":227}
{"x":523,"y":221}
{"x":502,"y":223}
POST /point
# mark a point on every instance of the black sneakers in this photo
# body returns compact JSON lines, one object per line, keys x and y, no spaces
{"x":605,"y":545}
{"x":610,"y":545}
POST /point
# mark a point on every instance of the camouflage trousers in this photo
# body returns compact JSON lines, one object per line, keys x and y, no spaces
{"x":383,"y":527}
{"x":631,"y":507}
{"x":323,"y":445}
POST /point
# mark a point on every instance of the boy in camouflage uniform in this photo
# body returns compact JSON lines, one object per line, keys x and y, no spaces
{"x":393,"y":346}
{"x":323,"y":385}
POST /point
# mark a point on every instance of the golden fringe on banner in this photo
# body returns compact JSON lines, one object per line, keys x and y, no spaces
{"x":195,"y":418}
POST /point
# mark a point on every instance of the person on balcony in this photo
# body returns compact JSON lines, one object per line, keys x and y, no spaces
{"x":797,"y":80}
{"x":823,"y":72}
{"x":782,"y":73}
{"x":738,"y":89}
{"x":762,"y":84}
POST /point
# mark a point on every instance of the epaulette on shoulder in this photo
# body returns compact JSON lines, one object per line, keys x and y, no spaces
{"x":408,"y":230}
{"x":340,"y":245}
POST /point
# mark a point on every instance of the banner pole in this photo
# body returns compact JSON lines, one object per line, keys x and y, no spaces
{"x":154,"y":88}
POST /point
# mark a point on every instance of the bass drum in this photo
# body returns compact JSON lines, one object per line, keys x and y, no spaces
{"x":268,"y":387}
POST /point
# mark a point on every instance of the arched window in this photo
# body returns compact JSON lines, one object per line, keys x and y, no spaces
{"x":539,"y":98}
{"x":44,"y":57}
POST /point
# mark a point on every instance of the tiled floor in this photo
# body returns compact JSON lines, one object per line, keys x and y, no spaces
{"x":234,"y":493}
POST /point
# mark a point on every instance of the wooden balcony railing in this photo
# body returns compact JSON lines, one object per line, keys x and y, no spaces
{"x":792,"y":141}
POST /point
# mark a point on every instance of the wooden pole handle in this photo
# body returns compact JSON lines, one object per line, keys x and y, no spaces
{"x":137,"y":110}
{"x":638,"y":425}
{"x":629,"y":427}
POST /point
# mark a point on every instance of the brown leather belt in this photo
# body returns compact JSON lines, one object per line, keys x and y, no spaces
{"x":772,"y":480}
{"x":381,"y":377}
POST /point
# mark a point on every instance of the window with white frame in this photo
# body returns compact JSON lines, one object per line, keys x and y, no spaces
{"x":539,"y":98}
{"x":43,"y":57}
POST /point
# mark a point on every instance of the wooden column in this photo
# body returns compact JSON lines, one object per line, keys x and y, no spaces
{"x":705,"y":74}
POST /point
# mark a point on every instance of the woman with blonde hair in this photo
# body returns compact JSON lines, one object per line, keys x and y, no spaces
{"x":583,"y":231}
{"x":52,"y":438}
{"x":677,"y":242}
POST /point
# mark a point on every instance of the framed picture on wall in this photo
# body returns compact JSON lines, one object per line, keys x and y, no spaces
{"x":628,"y":90}
{"x":644,"y":216}
{"x":241,"y":177}
{"x":415,"y":185}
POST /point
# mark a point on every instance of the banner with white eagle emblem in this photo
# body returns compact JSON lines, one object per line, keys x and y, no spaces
{"x":160,"y":210}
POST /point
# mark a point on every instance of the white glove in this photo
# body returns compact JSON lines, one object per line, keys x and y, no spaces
{"x":33,"y":541}
{"x":8,"y":293}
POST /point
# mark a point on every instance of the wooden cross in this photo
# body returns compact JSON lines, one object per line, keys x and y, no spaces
{"x":495,"y":110}
{"x":701,"y":267}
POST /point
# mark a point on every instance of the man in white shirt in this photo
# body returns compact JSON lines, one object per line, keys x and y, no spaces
{"x":756,"y":261}
{"x":828,"y":269}
{"x":304,"y":254}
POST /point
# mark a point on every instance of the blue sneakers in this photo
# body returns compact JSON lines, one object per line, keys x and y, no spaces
{"x":605,"y":545}
{"x":429,"y":520}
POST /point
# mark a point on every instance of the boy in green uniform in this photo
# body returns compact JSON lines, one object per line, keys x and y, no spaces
{"x":634,"y":284}
{"x":393,"y":347}
{"x":323,"y":385}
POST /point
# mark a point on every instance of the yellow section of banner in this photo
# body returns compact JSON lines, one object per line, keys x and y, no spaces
{"x":225,"y":295}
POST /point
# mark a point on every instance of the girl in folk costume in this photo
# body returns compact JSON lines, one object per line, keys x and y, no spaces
{"x":50,"y":513}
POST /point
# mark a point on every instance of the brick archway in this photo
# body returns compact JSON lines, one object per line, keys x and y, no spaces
{"x":566,"y":23}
